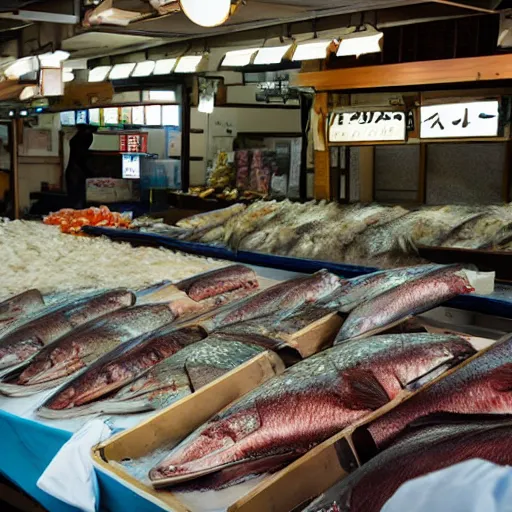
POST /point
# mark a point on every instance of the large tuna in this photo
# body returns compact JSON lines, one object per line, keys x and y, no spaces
{"x":311,"y":401}
{"x":28,"y":339}
{"x":422,"y":451}
{"x":483,"y":386}
{"x":398,"y":304}
{"x":165,"y":370}
{"x":82,"y":346}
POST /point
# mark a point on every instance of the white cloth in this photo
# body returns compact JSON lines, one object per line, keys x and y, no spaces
{"x":70,"y":476}
{"x":472,"y":486}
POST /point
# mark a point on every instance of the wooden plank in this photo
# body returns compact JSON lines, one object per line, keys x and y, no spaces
{"x":174,"y":423}
{"x":322,"y":183}
{"x":474,"y":69}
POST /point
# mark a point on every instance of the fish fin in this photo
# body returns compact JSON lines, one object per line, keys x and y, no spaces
{"x":502,"y":378}
{"x":201,"y":375}
{"x":443,"y":418}
{"x":363,"y":390}
{"x":418,"y":383}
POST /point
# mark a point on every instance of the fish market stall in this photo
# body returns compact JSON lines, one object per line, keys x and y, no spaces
{"x":108,"y":358}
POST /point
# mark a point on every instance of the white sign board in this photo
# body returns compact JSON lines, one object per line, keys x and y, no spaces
{"x":131,"y":167}
{"x":460,"y":120}
{"x":367,"y":126}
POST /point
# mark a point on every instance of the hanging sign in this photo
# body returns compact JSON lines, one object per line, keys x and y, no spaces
{"x":459,"y":120}
{"x":367,"y":126}
{"x":133,"y":143}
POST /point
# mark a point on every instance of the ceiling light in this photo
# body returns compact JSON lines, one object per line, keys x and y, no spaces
{"x":11,"y":113}
{"x":361,"y":42}
{"x":120,"y":71}
{"x":22,"y":67}
{"x":210,"y":13}
{"x":67,"y":75}
{"x":29,"y":92}
{"x":23,"y":113}
{"x":164,"y":66}
{"x":53,"y":59}
{"x":238,"y":58}
{"x":188,"y":64}
{"x":312,"y":49}
{"x":144,"y":68}
{"x":271,"y":55}
{"x":99,"y":74}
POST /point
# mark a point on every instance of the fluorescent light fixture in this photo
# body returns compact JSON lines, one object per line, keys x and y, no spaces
{"x":169,"y":96}
{"x":67,"y":75}
{"x":120,"y":71}
{"x":239,"y":58}
{"x":211,"y":13}
{"x":188,"y":64}
{"x":271,"y":55}
{"x":11,"y":113}
{"x":360,"y":43}
{"x":53,"y":59}
{"x":312,"y":50}
{"x":23,"y":113}
{"x":164,"y":66}
{"x":144,"y":68}
{"x":22,"y":67}
{"x":29,"y":92}
{"x":99,"y":74}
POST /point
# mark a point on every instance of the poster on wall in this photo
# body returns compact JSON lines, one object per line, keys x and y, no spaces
{"x":367,"y":126}
{"x":460,"y":120}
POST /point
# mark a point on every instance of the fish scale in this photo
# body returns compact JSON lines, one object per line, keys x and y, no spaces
{"x":305,"y":405}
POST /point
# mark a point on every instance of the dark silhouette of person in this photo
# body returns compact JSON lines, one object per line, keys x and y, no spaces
{"x":77,"y":170}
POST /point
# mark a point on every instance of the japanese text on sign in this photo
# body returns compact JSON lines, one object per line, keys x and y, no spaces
{"x":367,"y":126}
{"x":456,"y":120}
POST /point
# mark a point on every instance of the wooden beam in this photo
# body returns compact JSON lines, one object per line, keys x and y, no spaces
{"x":322,"y":184}
{"x":462,"y":5}
{"x":474,"y":69}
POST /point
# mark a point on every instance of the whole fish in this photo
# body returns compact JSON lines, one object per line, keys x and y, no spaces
{"x":422,"y":451}
{"x":21,"y":343}
{"x":219,"y":281}
{"x":311,"y":401}
{"x":84,"y":345}
{"x":395,"y":305}
{"x":154,"y":375}
{"x":364,"y":288}
{"x":211,"y":219}
{"x":483,"y":386}
{"x":24,"y":304}
{"x":283,"y":297}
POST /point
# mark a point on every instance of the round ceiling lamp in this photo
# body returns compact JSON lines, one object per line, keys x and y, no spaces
{"x":207,"y":13}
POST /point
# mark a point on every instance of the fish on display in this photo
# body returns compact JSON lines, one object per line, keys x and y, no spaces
{"x":204,"y":291}
{"x":366,"y":287}
{"x":284,"y":297}
{"x":483,"y":386}
{"x":23,"y":342}
{"x":151,"y":375}
{"x":83,"y":346}
{"x":398,"y":304}
{"x":422,"y":451}
{"x":219,"y":281}
{"x":208,"y":220}
{"x":311,"y":401}
{"x":24,"y":304}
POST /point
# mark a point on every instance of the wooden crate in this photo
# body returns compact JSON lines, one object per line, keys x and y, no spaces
{"x":173,"y":424}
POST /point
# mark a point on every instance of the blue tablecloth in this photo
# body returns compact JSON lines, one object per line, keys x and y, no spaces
{"x":26,"y":449}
